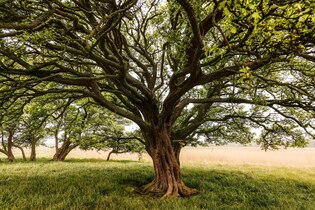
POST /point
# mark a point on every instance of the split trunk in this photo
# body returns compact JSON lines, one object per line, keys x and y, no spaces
{"x":64,"y":150}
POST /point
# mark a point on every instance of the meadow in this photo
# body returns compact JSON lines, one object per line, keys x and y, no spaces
{"x":97,"y":184}
{"x":227,"y":155}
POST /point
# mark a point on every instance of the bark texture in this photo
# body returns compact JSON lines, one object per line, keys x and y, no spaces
{"x":168,"y":180}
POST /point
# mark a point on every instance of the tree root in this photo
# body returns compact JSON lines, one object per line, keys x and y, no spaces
{"x":172,"y":191}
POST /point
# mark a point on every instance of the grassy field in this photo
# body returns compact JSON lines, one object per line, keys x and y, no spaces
{"x":97,"y":184}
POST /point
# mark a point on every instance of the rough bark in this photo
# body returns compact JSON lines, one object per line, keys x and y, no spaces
{"x":168,"y":180}
{"x":64,"y":150}
{"x":177,"y":149}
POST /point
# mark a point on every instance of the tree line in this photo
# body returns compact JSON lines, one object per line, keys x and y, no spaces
{"x":70,"y":124}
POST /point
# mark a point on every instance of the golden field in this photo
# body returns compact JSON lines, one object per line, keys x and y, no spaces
{"x":292,"y":157}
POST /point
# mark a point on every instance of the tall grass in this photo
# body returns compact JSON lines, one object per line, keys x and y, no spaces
{"x":95,"y":184}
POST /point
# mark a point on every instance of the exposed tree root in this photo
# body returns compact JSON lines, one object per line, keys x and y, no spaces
{"x":172,"y":191}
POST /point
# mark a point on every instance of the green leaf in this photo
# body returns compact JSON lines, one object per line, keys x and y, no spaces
{"x":256,"y":16}
{"x":233,"y":29}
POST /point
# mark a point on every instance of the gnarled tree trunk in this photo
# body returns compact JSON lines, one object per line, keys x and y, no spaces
{"x":177,"y":149}
{"x":168,"y":179}
{"x":64,"y":150}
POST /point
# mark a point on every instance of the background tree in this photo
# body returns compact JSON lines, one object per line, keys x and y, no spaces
{"x":7,"y":135}
{"x":68,"y":125}
{"x":170,"y":67}
{"x":81,"y":123}
{"x":10,"y":115}
{"x":32,"y":125}
{"x":114,"y":139}
{"x":105,"y":130}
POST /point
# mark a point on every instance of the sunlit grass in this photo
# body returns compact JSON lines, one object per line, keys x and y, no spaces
{"x":95,"y":184}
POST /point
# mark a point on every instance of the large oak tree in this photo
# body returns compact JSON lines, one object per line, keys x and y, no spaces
{"x":175,"y":68}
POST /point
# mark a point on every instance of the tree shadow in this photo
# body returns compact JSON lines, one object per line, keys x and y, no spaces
{"x":88,"y":186}
{"x":97,"y":160}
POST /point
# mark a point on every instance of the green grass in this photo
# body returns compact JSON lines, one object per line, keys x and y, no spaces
{"x":95,"y":184}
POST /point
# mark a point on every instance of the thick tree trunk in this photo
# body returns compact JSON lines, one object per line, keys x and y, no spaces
{"x":22,"y":151}
{"x":33,"y":152}
{"x":64,"y":150}
{"x":168,"y":180}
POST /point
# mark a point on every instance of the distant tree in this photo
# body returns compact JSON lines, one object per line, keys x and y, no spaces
{"x":31,"y":127}
{"x":106,"y":131}
{"x":114,"y":139}
{"x":172,"y":67}
{"x":9,"y":121}
{"x":7,"y":142}
{"x":79,"y":122}
{"x":67,"y":125}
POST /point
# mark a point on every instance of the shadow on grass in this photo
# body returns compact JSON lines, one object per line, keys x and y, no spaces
{"x":70,"y":160}
{"x":87,"y":184}
{"x":93,"y":160}
{"x":20,"y":160}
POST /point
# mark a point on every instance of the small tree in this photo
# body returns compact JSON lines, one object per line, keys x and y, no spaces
{"x":74,"y":123}
{"x":10,"y":115}
{"x":68,"y":124}
{"x":7,"y":143}
{"x":114,"y":140}
{"x":105,"y":131}
{"x":32,"y":125}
